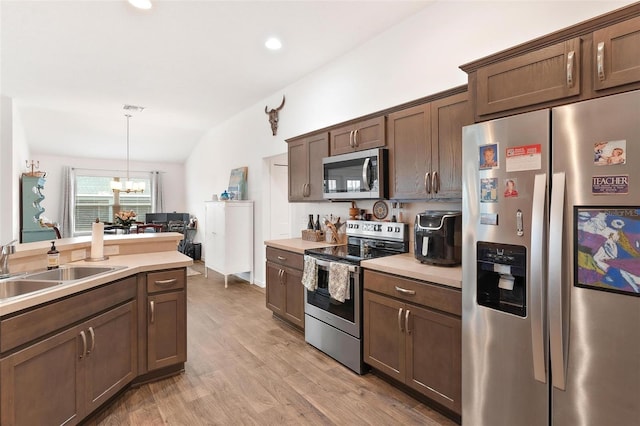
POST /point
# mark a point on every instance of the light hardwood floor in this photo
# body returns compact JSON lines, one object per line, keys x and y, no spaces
{"x":246,"y":367}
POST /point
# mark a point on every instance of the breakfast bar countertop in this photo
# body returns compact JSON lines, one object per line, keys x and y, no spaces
{"x":406,"y":265}
{"x":128,"y":265}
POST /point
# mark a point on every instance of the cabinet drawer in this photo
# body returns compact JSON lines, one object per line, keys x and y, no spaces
{"x":418,"y":292}
{"x":286,"y":258}
{"x":38,"y":322}
{"x":172,"y":279}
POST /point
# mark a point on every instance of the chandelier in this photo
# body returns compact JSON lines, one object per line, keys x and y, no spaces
{"x":129,"y":185}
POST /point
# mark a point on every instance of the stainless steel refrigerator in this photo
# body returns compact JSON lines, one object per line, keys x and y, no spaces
{"x":551,"y":266}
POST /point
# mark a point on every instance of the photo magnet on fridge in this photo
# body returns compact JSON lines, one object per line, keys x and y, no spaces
{"x":607,"y":153}
{"x":489,"y":190}
{"x":488,"y":156}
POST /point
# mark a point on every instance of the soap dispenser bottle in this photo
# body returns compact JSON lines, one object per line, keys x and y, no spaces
{"x":53,"y":257}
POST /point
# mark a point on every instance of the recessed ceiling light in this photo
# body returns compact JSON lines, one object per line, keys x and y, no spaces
{"x":140,"y":4}
{"x":273,"y":43}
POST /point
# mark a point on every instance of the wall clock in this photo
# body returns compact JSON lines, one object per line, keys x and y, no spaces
{"x":380,"y":210}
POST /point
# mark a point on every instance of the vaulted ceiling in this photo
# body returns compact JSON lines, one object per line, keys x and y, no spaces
{"x":70,"y":66}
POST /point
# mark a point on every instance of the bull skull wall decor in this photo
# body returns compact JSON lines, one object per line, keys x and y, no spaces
{"x":273,"y":116}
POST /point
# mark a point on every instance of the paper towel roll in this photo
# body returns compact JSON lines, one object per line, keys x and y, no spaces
{"x":97,"y":240}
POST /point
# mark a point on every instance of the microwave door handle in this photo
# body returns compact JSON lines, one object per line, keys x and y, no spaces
{"x":365,"y":174}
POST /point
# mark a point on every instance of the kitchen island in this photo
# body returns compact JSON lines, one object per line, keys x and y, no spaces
{"x":67,"y":350}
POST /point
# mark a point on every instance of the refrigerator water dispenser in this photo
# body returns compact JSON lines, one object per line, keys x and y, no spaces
{"x":502,"y":282}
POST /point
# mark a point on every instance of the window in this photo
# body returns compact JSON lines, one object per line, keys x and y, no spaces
{"x":95,"y":199}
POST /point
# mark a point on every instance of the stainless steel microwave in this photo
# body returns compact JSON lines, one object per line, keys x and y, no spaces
{"x":356,"y":175}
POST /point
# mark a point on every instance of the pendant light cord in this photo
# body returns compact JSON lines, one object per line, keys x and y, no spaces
{"x":128,"y":117}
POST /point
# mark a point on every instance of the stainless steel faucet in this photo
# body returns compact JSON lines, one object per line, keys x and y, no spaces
{"x":7,"y":250}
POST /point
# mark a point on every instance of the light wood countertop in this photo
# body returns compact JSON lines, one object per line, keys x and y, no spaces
{"x":406,"y":265}
{"x":296,"y":245}
{"x":129,"y":265}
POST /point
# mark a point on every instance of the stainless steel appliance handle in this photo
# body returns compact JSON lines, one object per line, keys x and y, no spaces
{"x":556,"y":330}
{"x":324,"y":264}
{"x":400,"y":319}
{"x":570,"y":60}
{"x":427,"y":182}
{"x":365,"y":175}
{"x":600,"y":61}
{"x":537,"y":279}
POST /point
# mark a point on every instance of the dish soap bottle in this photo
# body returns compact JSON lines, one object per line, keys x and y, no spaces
{"x":53,"y":257}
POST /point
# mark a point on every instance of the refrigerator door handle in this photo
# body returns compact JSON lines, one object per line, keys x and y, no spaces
{"x":537,"y":277}
{"x":556,"y":338}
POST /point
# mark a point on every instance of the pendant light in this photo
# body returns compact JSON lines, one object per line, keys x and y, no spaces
{"x":129,"y":185}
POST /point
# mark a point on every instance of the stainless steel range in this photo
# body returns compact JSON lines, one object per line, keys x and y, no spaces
{"x":336,"y":327}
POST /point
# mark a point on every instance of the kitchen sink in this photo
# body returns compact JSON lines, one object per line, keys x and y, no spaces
{"x":35,"y":281}
{"x":20,"y":286}
{"x":69,"y":273}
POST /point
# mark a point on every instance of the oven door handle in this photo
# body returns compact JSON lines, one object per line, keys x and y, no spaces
{"x":325,"y":265}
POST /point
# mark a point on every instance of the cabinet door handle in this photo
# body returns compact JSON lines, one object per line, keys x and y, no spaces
{"x":93,"y":340}
{"x":427,"y":182}
{"x":406,"y":321}
{"x":281,"y":258}
{"x":405,"y":291}
{"x":152,"y":310}
{"x":351,"y":139}
{"x":355,"y":138}
{"x":84,"y":344}
{"x":435,"y":182}
{"x":570,"y":58}
{"x":305,"y":190}
{"x":600,"y":61}
{"x":284,"y":277}
{"x":400,"y":319}
{"x":165,"y":283}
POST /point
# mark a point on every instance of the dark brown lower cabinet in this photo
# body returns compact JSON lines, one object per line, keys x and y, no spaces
{"x":413,"y":343}
{"x":167,"y":330}
{"x":285,"y":292}
{"x":166,"y":326}
{"x":61,"y":379}
{"x":62,"y":360}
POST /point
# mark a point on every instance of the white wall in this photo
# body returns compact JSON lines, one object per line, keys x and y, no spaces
{"x":173,"y":180}
{"x":13,"y":153}
{"x":414,"y":59}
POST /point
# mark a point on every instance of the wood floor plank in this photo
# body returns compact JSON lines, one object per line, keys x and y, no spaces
{"x":246,"y":367}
